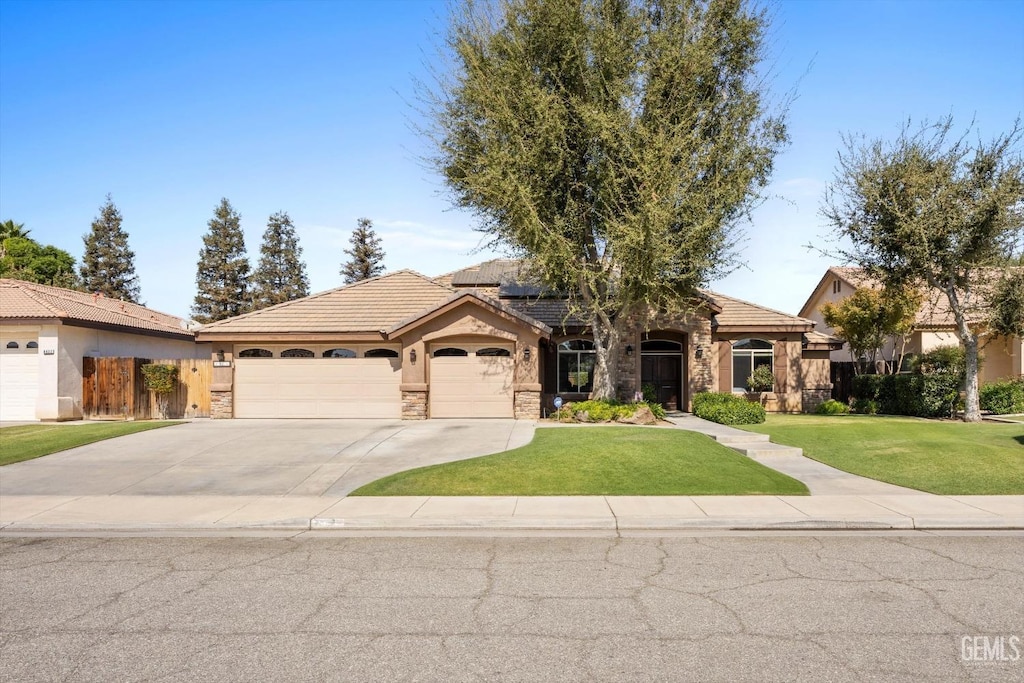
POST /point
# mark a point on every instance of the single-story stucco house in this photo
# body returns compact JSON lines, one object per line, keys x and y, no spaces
{"x":934,"y":325}
{"x":45,"y":332}
{"x":478,"y":343}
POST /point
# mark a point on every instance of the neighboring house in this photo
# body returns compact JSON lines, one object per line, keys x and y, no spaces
{"x":479,"y":343}
{"x":934,"y":325}
{"x":46,"y":331}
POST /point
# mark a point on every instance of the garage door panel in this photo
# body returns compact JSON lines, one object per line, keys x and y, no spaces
{"x":471,"y":386}
{"x":315,"y":387}
{"x":20,"y":386}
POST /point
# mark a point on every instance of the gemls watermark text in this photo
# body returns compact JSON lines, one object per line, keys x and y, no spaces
{"x":990,"y":649}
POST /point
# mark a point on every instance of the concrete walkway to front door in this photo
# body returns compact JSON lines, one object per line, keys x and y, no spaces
{"x":821,"y":479}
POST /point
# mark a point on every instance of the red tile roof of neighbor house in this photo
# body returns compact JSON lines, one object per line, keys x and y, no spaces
{"x":21,"y":300}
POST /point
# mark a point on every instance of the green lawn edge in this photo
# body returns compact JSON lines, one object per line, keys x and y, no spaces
{"x":593,"y":461}
{"x":943,"y":457}
{"x":27,"y":442}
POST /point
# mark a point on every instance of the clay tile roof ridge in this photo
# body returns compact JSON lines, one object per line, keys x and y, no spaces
{"x":29,"y":291}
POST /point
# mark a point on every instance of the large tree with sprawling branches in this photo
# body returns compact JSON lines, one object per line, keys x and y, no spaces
{"x":615,"y":144}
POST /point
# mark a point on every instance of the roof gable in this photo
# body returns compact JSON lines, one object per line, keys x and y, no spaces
{"x":737,"y":314}
{"x":460,"y":297}
{"x":29,"y":300}
{"x":369,"y":305}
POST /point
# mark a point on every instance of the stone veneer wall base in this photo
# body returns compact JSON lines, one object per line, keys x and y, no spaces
{"x":414,"y":405}
{"x":527,"y":405}
{"x":222,"y":405}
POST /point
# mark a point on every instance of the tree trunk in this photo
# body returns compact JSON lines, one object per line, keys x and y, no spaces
{"x":606,"y":369}
{"x":972,"y":403}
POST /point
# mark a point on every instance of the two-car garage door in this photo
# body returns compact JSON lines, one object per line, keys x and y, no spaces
{"x":318,"y":387}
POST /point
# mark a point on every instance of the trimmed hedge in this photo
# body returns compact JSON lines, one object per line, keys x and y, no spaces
{"x":917,"y":395}
{"x":727,"y":409}
{"x":605,"y":411}
{"x":1003,"y":398}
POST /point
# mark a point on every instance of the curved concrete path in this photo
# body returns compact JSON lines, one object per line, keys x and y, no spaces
{"x":821,"y":479}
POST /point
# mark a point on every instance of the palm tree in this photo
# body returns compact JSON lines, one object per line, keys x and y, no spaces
{"x":9,"y":228}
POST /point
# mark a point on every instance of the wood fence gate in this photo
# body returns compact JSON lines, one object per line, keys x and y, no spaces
{"x":113,"y":388}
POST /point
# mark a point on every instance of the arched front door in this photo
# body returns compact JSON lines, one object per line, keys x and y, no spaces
{"x":661,"y":367}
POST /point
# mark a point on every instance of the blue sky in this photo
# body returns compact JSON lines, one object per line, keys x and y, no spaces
{"x":306,"y":107}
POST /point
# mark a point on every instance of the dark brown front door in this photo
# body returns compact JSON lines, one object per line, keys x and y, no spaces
{"x":665,"y":373}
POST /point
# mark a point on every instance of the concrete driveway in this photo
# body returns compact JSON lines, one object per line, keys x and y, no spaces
{"x":258,"y":457}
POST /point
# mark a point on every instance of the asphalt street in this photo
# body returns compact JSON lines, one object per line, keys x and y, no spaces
{"x":769,"y":607}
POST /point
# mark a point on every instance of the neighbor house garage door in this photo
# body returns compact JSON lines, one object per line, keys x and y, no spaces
{"x":471,"y":381}
{"x":318,"y":387}
{"x":19,"y":378}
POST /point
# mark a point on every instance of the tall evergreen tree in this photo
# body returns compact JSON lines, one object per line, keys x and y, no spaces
{"x":223,"y":270}
{"x":281,"y":274}
{"x":108,"y":266}
{"x":367,"y":257}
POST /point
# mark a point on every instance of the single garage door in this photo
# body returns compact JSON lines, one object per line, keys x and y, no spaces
{"x":19,"y":371}
{"x":471,"y":381}
{"x":318,"y":387}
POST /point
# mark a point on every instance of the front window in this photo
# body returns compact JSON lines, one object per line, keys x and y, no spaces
{"x":575,"y":366}
{"x":747,"y":356}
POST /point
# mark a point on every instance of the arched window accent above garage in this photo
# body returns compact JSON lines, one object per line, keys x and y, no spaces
{"x":493,"y":351}
{"x":660,"y":345}
{"x":297,"y":353}
{"x":12,"y":344}
{"x":255,"y":353}
{"x":450,"y":351}
{"x":339,"y":353}
{"x":32,"y":345}
{"x":381,"y":353}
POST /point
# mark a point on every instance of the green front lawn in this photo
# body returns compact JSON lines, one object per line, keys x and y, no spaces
{"x":25,"y":442}
{"x":948,"y":458}
{"x":596,"y":461}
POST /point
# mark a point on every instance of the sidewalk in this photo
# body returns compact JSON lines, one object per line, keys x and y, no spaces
{"x":610,"y":513}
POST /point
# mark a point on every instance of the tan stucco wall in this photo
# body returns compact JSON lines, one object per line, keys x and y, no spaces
{"x":1002,"y":359}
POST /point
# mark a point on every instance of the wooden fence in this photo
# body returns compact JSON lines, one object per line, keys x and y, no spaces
{"x":113,"y":388}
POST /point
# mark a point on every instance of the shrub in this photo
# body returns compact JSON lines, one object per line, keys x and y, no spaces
{"x":160,"y":378}
{"x":727,"y":409}
{"x":762,"y":379}
{"x":920,"y":395}
{"x":943,"y":360}
{"x":832,"y":407}
{"x":604,"y":411}
{"x":650,"y":393}
{"x":1002,"y":398}
{"x":865,"y":406}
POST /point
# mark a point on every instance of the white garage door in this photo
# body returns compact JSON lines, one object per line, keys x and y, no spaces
{"x":318,"y":387}
{"x":471,"y":381}
{"x":19,"y":380}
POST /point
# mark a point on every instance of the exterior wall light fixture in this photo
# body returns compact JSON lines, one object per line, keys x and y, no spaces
{"x":629,"y":349}
{"x":412,"y":355}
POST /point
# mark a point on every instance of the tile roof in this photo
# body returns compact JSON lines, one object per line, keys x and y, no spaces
{"x":20,"y":300}
{"x":740,"y":313}
{"x":501,"y":305}
{"x":493,"y":272}
{"x":367,"y":306}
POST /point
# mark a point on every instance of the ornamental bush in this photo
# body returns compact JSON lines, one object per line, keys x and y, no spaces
{"x":604,"y":411}
{"x":160,"y":379}
{"x":727,"y":409}
{"x":1004,"y":397}
{"x":832,"y":407}
{"x":919,"y":395}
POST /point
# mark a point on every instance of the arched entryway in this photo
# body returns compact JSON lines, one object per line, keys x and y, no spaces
{"x":661,"y":371}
